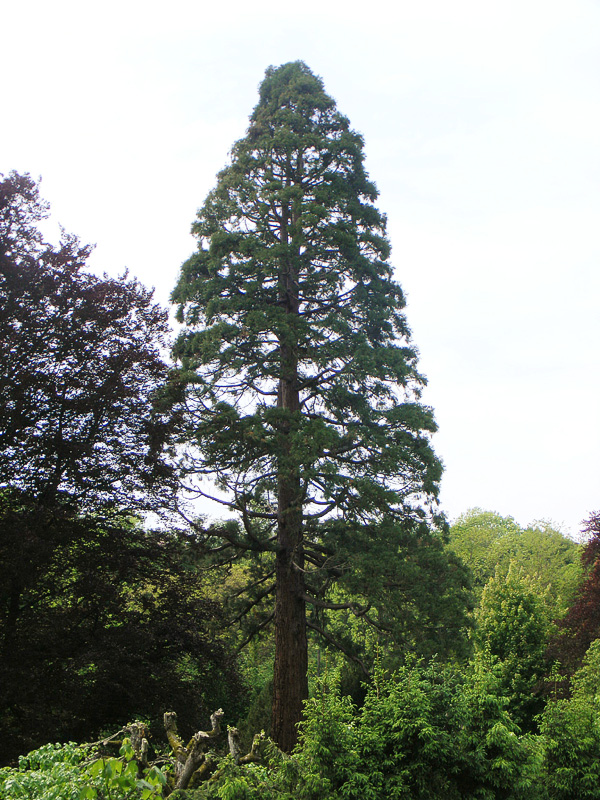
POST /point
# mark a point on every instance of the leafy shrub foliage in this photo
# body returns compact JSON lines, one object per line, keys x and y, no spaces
{"x":66,"y":772}
{"x":571,"y":730}
{"x":423,"y":734}
{"x":511,"y":636}
{"x":429,"y":732}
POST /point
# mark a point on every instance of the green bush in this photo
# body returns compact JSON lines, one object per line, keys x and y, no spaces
{"x":66,"y":772}
{"x":571,"y":731}
{"x":51,"y":773}
{"x":426,"y":733}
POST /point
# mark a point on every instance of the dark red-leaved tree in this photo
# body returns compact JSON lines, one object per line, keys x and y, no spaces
{"x":80,"y":360}
{"x":83,"y":449}
{"x":581,"y":625}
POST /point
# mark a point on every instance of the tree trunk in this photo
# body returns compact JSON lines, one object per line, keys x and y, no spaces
{"x":290,"y":681}
{"x":12,"y":617}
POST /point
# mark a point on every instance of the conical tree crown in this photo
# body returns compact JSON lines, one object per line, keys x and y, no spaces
{"x":292,"y":258}
{"x":290,"y":98}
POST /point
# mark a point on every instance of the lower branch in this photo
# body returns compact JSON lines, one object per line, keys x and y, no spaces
{"x":328,"y":637}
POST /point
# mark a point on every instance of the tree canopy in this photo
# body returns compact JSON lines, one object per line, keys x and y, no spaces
{"x":487,"y":541}
{"x":80,"y":359}
{"x":300,"y":377}
{"x":83,"y":448}
{"x":101,"y":621}
{"x":513,"y":624}
{"x":580,"y":626}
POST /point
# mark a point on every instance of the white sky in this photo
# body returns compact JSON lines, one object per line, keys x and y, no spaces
{"x":482,"y":123}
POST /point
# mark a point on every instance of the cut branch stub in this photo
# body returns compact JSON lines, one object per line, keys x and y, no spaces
{"x":191,"y":759}
{"x":177,"y":746}
{"x":137,"y":736}
{"x":256,"y":754}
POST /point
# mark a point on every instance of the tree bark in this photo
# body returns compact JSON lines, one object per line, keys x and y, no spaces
{"x":192,"y":760}
{"x":290,"y":681}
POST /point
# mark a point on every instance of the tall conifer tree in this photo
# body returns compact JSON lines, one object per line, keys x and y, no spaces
{"x":296,"y":358}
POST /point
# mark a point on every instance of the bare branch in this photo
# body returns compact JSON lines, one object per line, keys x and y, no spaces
{"x":257,"y":630}
{"x":356,"y":610}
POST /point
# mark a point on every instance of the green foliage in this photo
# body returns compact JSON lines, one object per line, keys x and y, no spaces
{"x":511,"y":637}
{"x":122,"y":779}
{"x":64,"y":772}
{"x":486,"y":541}
{"x":571,"y":729}
{"x":109,"y":623}
{"x":420,"y":598}
{"x":276,"y":779}
{"x":328,"y":757}
{"x":425,"y":733}
{"x":51,"y":773}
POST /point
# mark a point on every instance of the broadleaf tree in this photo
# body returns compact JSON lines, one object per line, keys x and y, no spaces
{"x":580,"y":626}
{"x":83,"y":448}
{"x":297,"y":367}
{"x":484,"y":541}
{"x":81,"y":358}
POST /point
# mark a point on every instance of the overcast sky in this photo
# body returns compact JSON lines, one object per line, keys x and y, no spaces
{"x":482,"y":124}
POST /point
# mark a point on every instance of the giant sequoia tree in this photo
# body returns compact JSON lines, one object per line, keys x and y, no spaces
{"x":300,"y":378}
